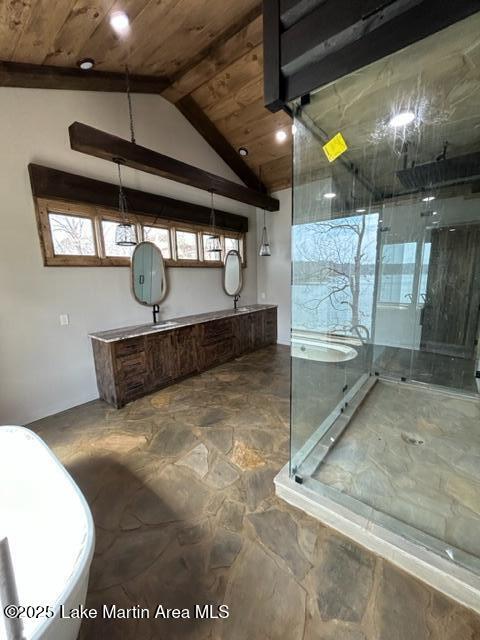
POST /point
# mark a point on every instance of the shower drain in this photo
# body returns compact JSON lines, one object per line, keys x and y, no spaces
{"x":410,"y":438}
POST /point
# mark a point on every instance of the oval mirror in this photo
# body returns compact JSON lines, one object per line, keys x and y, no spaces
{"x":232,"y":273}
{"x":149,"y":282}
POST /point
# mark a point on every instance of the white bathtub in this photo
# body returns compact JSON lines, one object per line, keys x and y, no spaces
{"x":321,"y":351}
{"x":50,"y":534}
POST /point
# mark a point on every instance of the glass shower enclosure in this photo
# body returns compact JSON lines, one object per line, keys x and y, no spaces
{"x":386,"y":290}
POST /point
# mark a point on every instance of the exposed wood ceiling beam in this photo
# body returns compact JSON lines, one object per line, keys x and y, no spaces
{"x":234,"y":43}
{"x":37,"y":76}
{"x":217,"y":141}
{"x":108,"y":147}
{"x":52,"y":183}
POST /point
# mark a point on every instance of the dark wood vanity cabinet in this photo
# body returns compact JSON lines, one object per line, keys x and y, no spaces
{"x":129,"y":367}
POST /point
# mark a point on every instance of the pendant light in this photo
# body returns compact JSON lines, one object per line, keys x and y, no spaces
{"x":265,"y":250}
{"x":214,"y":245}
{"x":125,"y":231}
{"x":265,"y":245}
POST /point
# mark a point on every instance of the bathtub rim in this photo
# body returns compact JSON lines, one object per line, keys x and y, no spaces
{"x":84,"y":559}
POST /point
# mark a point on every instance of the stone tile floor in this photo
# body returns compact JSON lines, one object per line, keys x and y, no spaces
{"x":180,"y":486}
{"x":414,"y":454}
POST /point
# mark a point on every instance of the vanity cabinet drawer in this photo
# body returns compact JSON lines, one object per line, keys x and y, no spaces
{"x":130,"y":346}
{"x":160,"y":359}
{"x":131,"y":389}
{"x":270,"y":326}
{"x":185,"y":343}
{"x":131,"y":366}
{"x":216,"y":331}
{"x":215,"y":354}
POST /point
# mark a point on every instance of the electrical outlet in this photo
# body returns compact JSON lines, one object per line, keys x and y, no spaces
{"x":64,"y":319}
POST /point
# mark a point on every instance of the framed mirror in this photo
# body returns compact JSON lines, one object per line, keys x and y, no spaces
{"x":149,"y":281}
{"x":232,"y":274}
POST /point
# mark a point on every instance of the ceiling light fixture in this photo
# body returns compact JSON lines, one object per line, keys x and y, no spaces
{"x":402,"y":119}
{"x":265,"y":250}
{"x":428,"y":198}
{"x":125,"y":232}
{"x":243,"y":151}
{"x":119,"y":22}
{"x":86,"y":64}
{"x":329,"y":195}
{"x":214,"y":244}
{"x":281,"y":135}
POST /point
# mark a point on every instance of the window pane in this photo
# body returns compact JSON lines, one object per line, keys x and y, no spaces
{"x":187,"y":245}
{"x":397,"y":273}
{"x":160,"y":237}
{"x":71,"y":235}
{"x":231,"y":244}
{"x":111,"y":249}
{"x":209,"y":255}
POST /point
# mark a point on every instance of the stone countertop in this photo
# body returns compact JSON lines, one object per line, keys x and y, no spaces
{"x":136,"y":331}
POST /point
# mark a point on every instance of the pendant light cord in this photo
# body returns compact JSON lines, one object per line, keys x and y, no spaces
{"x":212,"y":215}
{"x":130,"y":111}
{"x":122,"y":205}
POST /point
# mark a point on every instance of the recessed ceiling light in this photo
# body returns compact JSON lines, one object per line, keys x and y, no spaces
{"x":86,"y":64}
{"x":119,"y":22}
{"x":360,"y":210}
{"x":281,"y":135}
{"x":243,"y":151}
{"x":428,"y":198}
{"x":401,"y":119}
{"x":329,"y":195}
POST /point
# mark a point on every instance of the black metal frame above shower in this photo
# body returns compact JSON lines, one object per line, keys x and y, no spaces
{"x":309,"y":43}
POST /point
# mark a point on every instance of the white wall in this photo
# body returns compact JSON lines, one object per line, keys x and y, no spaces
{"x":45,"y":367}
{"x":274,"y":272}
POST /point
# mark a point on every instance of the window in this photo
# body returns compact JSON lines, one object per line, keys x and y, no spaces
{"x":397,"y":273}
{"x":109,"y":228}
{"x":159,"y":236}
{"x":82,"y":235}
{"x":209,"y":256}
{"x":72,"y":235}
{"x":231,"y":244}
{"x":187,"y":248}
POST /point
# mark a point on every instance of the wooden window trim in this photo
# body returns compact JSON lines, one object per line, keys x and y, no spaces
{"x":45,"y":206}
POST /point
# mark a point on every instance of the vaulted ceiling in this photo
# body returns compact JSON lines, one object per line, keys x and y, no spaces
{"x":208,"y":53}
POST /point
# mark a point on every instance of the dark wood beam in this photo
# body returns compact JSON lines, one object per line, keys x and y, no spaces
{"x":109,"y":147}
{"x":217,"y":141}
{"x":51,"y":183}
{"x":37,"y":76}
{"x":272,"y":77}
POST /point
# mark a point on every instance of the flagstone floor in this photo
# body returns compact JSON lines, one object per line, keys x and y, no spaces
{"x":180,"y":484}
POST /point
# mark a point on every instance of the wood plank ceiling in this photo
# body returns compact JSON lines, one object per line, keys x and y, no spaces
{"x":209,"y":52}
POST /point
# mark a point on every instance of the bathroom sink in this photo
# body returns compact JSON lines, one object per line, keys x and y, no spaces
{"x":165,"y":325}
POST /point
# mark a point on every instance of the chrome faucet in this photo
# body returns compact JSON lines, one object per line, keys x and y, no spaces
{"x":356,"y":329}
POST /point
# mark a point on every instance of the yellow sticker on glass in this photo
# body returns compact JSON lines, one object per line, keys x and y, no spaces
{"x":335,"y":147}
